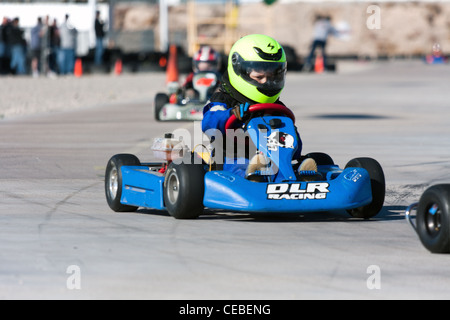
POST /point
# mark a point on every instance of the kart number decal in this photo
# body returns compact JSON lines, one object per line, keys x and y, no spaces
{"x":279,"y":139}
{"x":294,"y":191}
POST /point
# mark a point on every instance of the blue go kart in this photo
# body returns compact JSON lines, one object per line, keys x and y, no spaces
{"x":184,"y":188}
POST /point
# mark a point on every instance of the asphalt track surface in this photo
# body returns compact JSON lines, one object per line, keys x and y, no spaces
{"x":55,"y":224}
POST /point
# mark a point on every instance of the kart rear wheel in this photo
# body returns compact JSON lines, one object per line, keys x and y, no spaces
{"x":113,"y":181}
{"x":377,"y":183}
{"x":160,"y":100}
{"x":433,"y":218}
{"x":183,"y":190}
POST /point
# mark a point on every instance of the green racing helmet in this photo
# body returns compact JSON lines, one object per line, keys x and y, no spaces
{"x":262,"y":55}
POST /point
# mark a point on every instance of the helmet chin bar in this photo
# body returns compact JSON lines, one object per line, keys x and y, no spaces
{"x":269,"y":92}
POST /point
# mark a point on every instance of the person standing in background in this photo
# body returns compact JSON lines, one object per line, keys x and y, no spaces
{"x":45,"y":40}
{"x":35,"y":47}
{"x":99,"y":35}
{"x":18,"y":47}
{"x":4,"y":46}
{"x":322,"y":29}
{"x":66,"y":56}
{"x":54,"y":47}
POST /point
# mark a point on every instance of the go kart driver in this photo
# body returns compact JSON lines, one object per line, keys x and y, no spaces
{"x":255,"y":74}
{"x":206,"y":59}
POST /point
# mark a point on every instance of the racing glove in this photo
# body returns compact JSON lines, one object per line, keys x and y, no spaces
{"x":240,"y":111}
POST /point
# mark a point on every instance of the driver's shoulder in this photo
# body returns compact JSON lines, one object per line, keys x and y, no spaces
{"x":220,"y":97}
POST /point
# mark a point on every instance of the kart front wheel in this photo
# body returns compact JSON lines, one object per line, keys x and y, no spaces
{"x":433,"y":218}
{"x":113,"y":181}
{"x":183,"y":190}
{"x":377,"y":183}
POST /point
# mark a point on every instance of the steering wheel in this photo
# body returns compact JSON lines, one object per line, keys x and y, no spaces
{"x":265,"y":108}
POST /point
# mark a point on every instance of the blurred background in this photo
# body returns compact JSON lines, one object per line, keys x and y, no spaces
{"x":140,"y":32}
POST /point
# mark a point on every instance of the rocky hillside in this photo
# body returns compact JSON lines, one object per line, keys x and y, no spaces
{"x":404,"y":28}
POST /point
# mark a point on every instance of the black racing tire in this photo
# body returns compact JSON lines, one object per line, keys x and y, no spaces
{"x":433,"y":218}
{"x":184,"y":188}
{"x":378,"y":184}
{"x":160,"y":100}
{"x":320,"y":158}
{"x":113,"y":181}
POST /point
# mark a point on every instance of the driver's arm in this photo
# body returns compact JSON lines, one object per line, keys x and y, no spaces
{"x":215,"y":116}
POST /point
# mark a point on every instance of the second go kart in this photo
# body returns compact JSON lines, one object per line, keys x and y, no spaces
{"x":181,"y":107}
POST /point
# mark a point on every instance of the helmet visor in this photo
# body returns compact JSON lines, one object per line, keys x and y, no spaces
{"x":267,"y":77}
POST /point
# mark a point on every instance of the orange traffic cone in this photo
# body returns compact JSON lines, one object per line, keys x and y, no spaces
{"x":172,"y":65}
{"x":318,"y":65}
{"x":118,"y":67}
{"x":78,"y":68}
